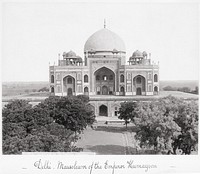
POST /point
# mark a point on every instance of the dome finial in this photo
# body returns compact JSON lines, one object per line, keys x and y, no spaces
{"x":104,"y":23}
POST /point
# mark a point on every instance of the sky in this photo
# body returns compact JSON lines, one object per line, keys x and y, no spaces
{"x":35,"y":33}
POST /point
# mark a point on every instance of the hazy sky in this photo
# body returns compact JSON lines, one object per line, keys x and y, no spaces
{"x":34,"y":34}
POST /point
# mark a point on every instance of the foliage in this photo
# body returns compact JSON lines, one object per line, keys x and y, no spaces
{"x":184,"y":89}
{"x":84,"y":98}
{"x":187,"y":119}
{"x":126,"y":112}
{"x":167,"y":125}
{"x":196,"y":91}
{"x":47,"y":127}
{"x":169,"y":88}
{"x":44,"y":89}
{"x":75,"y":113}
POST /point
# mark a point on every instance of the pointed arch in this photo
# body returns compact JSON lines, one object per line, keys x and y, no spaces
{"x":103,"y":110}
{"x":155,"y":78}
{"x":156,"y":89}
{"x":68,"y":82}
{"x":52,"y":89}
{"x":121,"y":78}
{"x":139,"y":83}
{"x":105,"y":81}
{"x":86,"y":90}
{"x":85,"y":78}
{"x":52,"y":78}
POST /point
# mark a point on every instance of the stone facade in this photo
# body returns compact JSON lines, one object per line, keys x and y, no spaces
{"x":104,"y":75}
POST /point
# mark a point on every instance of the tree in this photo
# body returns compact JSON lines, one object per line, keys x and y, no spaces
{"x":196,"y":91}
{"x":154,"y":128}
{"x":169,"y":88}
{"x":167,"y":125}
{"x":126,"y":112}
{"x":74,"y":113}
{"x":184,"y":89}
{"x":84,"y":98}
{"x":44,"y":89}
{"x":30,"y":129}
{"x":187,"y":119}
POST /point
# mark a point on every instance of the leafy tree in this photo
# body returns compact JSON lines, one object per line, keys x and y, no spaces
{"x":169,"y":125}
{"x":30,"y":129}
{"x":196,"y":91}
{"x":153,"y":128}
{"x":126,"y":112}
{"x":184,"y":89}
{"x":169,"y":88}
{"x":44,"y":89}
{"x":187,"y":119}
{"x":84,"y":98}
{"x":75,"y":113}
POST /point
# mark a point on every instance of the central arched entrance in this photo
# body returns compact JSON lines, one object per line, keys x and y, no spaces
{"x":104,"y":81}
{"x":138,"y":91}
{"x":103,"y":110}
{"x":104,"y":90}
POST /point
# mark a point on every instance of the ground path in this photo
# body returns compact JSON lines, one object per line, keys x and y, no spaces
{"x":112,"y":139}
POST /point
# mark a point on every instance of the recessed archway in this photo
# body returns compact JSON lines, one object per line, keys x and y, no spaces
{"x":139,"y":83}
{"x":122,"y":78}
{"x":85,"y":78}
{"x":138,"y":91}
{"x":68,"y":82}
{"x":155,"y":78}
{"x":122,"y":91}
{"x":103,"y":110}
{"x":104,"y":90}
{"x":52,"y":78}
{"x":104,"y":81}
{"x":69,"y":92}
{"x":156,"y":89}
{"x":86,"y":91}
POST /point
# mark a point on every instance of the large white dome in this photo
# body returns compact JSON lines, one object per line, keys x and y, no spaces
{"x":104,"y":40}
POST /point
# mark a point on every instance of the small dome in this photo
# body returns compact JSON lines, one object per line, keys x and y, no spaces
{"x":144,"y":53}
{"x":70,"y":54}
{"x":79,"y":59}
{"x":104,"y":40}
{"x":137,"y":54}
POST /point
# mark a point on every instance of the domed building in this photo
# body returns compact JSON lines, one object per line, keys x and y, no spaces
{"x":104,"y":75}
